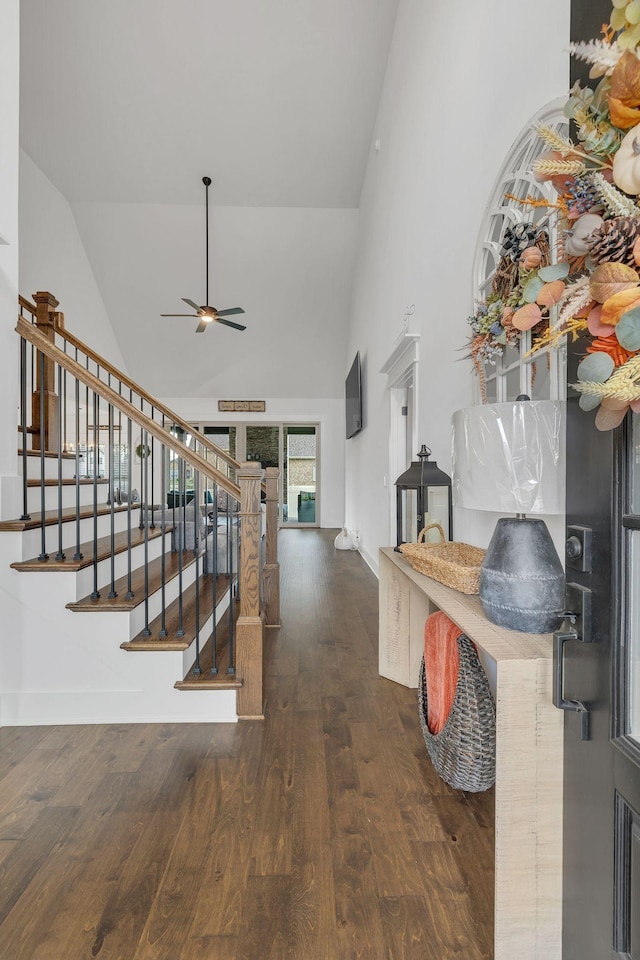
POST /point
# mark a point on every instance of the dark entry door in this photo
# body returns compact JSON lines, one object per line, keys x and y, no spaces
{"x":601,"y":889}
{"x":601,"y":884}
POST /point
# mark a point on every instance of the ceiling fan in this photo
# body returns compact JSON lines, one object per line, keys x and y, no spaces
{"x":207,"y":314}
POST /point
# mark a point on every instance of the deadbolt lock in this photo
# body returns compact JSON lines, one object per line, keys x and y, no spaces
{"x":578,"y":548}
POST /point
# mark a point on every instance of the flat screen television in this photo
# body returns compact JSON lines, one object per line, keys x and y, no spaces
{"x":353,"y":395}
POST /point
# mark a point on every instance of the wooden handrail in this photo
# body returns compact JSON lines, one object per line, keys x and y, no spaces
{"x":132,"y":385}
{"x":23,"y":302}
{"x":33,"y":335}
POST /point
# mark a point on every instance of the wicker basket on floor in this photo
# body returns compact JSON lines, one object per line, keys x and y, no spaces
{"x":464,"y":752}
{"x":456,"y":565}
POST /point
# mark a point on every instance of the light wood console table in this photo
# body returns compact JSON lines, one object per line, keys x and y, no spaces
{"x":529,"y":749}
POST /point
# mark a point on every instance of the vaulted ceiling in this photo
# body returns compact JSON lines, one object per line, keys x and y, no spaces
{"x":126,"y":104}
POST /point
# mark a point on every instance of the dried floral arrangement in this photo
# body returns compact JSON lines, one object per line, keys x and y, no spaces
{"x":592,"y":277}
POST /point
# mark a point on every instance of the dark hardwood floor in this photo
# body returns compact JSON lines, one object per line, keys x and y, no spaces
{"x":321,"y":834}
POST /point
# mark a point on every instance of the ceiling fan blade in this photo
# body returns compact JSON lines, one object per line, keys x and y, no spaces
{"x":228,"y":313}
{"x":230,"y":323}
{"x":177,"y":314}
{"x":191,"y":303}
{"x":202,"y":326}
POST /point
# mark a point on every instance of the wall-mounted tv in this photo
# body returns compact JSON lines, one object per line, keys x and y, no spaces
{"x":353,"y":396}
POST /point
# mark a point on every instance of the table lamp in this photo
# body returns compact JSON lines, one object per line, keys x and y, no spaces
{"x":508,"y":458}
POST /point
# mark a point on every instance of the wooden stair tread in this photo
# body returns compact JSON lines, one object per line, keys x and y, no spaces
{"x":67,"y":482}
{"x":68,"y":565}
{"x":120,"y":603}
{"x":49,"y":454}
{"x":206,"y":680}
{"x":68,"y":513}
{"x":171,"y":641}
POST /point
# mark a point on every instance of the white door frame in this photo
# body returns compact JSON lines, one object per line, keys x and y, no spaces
{"x":402,"y":385}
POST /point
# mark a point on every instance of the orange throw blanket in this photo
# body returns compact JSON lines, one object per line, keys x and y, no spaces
{"x":442,"y":665}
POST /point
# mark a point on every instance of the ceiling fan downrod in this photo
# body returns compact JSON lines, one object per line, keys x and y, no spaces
{"x":207,"y":184}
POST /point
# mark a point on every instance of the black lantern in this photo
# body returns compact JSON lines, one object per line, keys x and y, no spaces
{"x":423,"y":497}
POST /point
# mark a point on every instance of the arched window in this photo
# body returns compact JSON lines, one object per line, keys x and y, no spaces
{"x":508,"y":375}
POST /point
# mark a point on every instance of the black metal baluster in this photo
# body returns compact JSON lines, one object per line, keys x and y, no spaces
{"x":60,"y":553}
{"x":86,"y":430}
{"x":43,"y":544}
{"x":181,"y":538}
{"x":96,"y":416}
{"x":129,"y":593}
{"x":78,"y":554}
{"x":145,"y":464}
{"x":153,"y":519}
{"x":142,"y":491}
{"x":23,"y":422}
{"x":112,"y":532}
{"x":64,"y":396}
{"x":231,"y":669}
{"x":163,"y":528}
{"x":214,"y":584}
{"x":120,"y":452}
{"x":109,"y":478}
{"x":196,"y":549}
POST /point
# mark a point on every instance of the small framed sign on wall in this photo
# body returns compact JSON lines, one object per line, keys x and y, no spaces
{"x":242,"y":406}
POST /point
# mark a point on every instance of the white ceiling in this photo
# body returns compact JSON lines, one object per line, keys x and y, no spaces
{"x":135,"y":100}
{"x":126,"y":104}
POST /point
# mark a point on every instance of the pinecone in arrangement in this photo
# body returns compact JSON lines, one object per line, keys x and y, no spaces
{"x":614,"y":240}
{"x":504,"y":277}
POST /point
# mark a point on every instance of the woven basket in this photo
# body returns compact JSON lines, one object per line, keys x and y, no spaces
{"x":464,"y":752}
{"x":456,"y":565}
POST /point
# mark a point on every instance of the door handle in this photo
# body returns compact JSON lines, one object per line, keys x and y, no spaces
{"x":561,"y":637}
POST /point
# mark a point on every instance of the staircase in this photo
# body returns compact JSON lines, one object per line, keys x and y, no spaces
{"x":140,"y":574}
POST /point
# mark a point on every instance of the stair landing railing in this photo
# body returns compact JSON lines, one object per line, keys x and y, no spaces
{"x":75,"y":405}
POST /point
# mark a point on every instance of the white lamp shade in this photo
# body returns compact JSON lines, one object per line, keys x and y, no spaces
{"x":509,"y":457}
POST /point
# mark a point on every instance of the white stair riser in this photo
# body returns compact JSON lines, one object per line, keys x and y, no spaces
{"x":34,"y":496}
{"x":172,"y":589}
{"x":189,"y":655}
{"x":71,"y":587}
{"x":85,"y":578}
{"x":136,"y":617}
{"x":31,"y":538}
{"x":34,"y":469}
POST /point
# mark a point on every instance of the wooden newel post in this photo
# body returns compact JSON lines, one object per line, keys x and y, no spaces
{"x":271,"y":572}
{"x":250,"y":627}
{"x":45,"y":435}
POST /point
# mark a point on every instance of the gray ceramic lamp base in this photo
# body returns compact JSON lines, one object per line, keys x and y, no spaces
{"x":522,"y":579}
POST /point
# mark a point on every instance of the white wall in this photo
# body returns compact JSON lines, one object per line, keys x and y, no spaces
{"x":9,"y":369}
{"x":9,"y":125}
{"x":328,"y":413}
{"x":458,"y":90}
{"x":52,"y":257}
